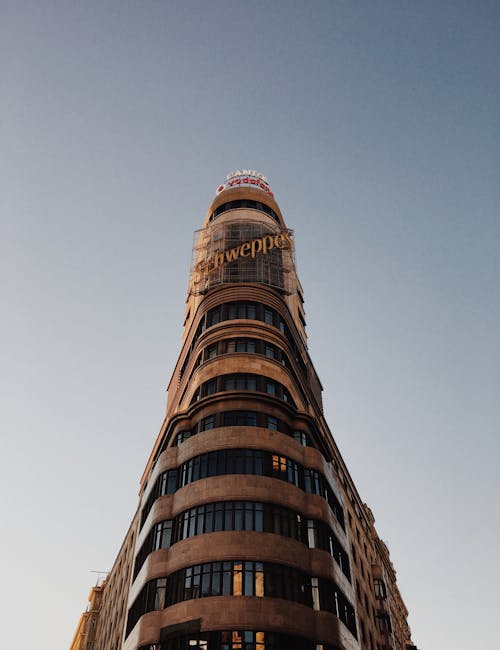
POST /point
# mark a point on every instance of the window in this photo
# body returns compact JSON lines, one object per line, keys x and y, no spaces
{"x":214,"y":316}
{"x":244,"y":203}
{"x":302,"y":438}
{"x":272,"y":423}
{"x":246,"y":310}
{"x":271,"y":352}
{"x":242,"y":461}
{"x":233,"y":577}
{"x":237,"y":640}
{"x":270,"y":388}
{"x":245,"y":345}
{"x":239,"y":382}
{"x":210,"y":387}
{"x":182,"y":436}
{"x":207,"y":423}
{"x":166,"y":483}
{"x":211,"y":351}
{"x":239,"y":418}
{"x":245,"y":418}
{"x":241,"y":310}
{"x":242,"y":381}
{"x":312,"y":533}
{"x":379,"y":587}
{"x":384,"y":623}
{"x":315,"y":594}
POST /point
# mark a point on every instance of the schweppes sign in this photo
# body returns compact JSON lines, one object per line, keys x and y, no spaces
{"x":252,"y":248}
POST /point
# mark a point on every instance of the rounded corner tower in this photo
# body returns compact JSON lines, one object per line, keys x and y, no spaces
{"x":244,"y":536}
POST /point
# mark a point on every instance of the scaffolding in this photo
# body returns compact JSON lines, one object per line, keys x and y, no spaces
{"x":246,"y":252}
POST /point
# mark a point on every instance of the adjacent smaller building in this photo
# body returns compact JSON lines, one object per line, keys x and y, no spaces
{"x":85,"y":635}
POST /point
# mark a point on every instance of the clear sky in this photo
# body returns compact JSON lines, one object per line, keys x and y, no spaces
{"x":375,"y":123}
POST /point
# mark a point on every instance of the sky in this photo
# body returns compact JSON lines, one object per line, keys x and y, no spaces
{"x":375,"y":124}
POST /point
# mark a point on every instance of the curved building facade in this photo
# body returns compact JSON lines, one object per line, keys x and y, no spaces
{"x":249,"y":534}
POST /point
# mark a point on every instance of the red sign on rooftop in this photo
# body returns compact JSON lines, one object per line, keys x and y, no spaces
{"x":245,"y":178}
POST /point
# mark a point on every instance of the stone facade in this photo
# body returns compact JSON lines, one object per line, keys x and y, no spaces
{"x":249,"y":531}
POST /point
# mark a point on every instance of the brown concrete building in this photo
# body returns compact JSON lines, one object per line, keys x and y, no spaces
{"x":249,"y":534}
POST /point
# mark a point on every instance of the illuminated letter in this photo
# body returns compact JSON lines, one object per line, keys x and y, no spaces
{"x":254,"y":247}
{"x":232,"y":255}
{"x":278,"y":241}
{"x":267,"y":243}
{"x":218,"y":259}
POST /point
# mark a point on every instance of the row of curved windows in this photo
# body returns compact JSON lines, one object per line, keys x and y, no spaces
{"x":244,"y":203}
{"x":241,"y":310}
{"x":254,"y":462}
{"x":245,"y":310}
{"x":243,"y":344}
{"x":238,"y":640}
{"x":243,"y":516}
{"x":242,"y":578}
{"x":242,"y":381}
{"x":244,"y":419}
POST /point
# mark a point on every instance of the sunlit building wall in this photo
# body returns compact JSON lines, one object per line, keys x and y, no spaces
{"x":249,"y":533}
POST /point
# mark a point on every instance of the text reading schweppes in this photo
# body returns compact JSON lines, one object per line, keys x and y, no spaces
{"x":258,"y":246}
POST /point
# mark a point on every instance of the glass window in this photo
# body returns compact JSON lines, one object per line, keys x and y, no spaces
{"x":312,"y":536}
{"x":211,"y":351}
{"x":251,"y":383}
{"x":229,"y":382}
{"x":301,"y":437}
{"x":207,"y":423}
{"x":272,"y":423}
{"x":379,"y":586}
{"x":270,"y":388}
{"x":213,"y":316}
{"x":211,"y":387}
{"x":384,"y":623}
{"x":270,"y":351}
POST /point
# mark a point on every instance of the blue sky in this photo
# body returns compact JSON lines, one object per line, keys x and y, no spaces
{"x":375,"y":123}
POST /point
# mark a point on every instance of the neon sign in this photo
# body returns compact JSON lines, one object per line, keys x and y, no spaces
{"x":247,"y":178}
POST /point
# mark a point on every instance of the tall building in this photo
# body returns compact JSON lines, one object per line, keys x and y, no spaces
{"x":249,"y":533}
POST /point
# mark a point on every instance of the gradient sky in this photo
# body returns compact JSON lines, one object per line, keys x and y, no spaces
{"x":375,"y":123}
